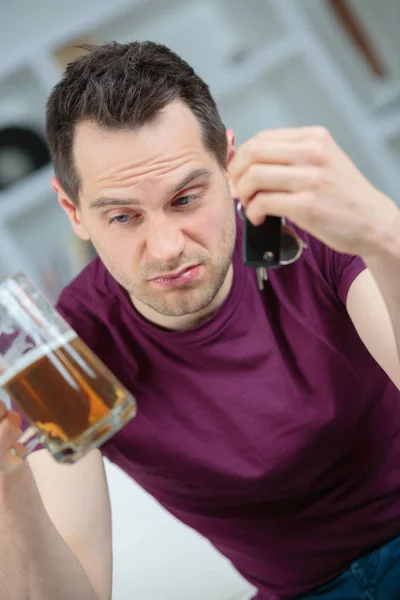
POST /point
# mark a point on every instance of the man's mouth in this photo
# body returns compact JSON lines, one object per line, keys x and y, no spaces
{"x":177,"y":278}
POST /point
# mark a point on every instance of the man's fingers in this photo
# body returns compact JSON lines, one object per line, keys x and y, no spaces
{"x":9,"y":431}
{"x":276,"y":205}
{"x":298,"y":146}
{"x":259,"y":152}
{"x":3,"y":410}
{"x":274,"y":178}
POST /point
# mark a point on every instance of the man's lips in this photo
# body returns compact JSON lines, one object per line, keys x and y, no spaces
{"x":185,"y":275}
{"x":173,"y":274}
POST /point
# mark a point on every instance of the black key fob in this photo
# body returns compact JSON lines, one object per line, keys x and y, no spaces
{"x":262,"y":243}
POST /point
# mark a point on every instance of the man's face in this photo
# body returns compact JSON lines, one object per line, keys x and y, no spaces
{"x":158,"y":208}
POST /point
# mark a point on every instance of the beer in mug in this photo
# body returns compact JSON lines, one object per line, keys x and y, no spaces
{"x":71,"y":400}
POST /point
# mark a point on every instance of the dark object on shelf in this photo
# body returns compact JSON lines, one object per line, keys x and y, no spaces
{"x":22,"y":151}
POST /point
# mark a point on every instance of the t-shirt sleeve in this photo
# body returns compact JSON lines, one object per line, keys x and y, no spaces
{"x":337,"y":268}
{"x":74,"y":313}
{"x":346,"y":269}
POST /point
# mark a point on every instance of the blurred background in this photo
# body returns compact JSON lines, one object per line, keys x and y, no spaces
{"x":269,"y":63}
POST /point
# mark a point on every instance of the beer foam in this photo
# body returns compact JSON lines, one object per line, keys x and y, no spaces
{"x":34,"y":355}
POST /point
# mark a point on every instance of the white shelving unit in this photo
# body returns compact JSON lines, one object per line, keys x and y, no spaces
{"x":380,"y":20}
{"x":269,"y":64}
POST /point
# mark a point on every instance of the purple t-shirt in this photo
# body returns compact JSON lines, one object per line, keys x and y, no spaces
{"x":268,"y":428}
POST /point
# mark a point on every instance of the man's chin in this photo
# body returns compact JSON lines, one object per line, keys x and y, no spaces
{"x":180,"y":301}
{"x":179,"y":308}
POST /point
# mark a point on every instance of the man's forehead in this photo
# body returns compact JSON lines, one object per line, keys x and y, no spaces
{"x":99,"y":150}
{"x":175,"y":119}
{"x":129,"y":157}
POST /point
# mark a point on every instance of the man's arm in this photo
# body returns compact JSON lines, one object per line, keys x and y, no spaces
{"x":55,"y":532}
{"x":303,"y":175}
{"x":369,"y":312}
{"x":77,"y":501}
{"x":385,"y":269}
{"x":373,"y":301}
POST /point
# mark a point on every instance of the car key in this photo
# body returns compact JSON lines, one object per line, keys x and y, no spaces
{"x":269,"y":245}
{"x":262,"y":243}
{"x":262,"y":246}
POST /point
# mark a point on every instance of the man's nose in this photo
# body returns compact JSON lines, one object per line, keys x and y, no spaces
{"x":165,"y":240}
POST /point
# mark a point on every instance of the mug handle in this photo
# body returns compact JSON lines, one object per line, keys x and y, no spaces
{"x":29,"y":439}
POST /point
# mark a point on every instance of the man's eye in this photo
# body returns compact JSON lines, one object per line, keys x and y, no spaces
{"x":186,"y":200}
{"x":121,"y":219}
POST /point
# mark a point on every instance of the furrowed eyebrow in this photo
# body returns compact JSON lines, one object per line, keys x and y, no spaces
{"x":113,"y":201}
{"x":196,"y":174}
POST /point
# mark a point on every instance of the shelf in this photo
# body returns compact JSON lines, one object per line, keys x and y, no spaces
{"x":387,"y":123}
{"x":252,"y":110}
{"x":22,"y":99}
{"x":292,"y":96}
{"x":268,"y":58}
{"x":47,"y":71}
{"x":42,"y":25}
{"x":13,"y":260}
{"x":214,"y":37}
{"x":379,"y":22}
{"x":22,"y":124}
{"x":4,"y":272}
{"x":394,"y":145}
{"x":254,"y":23}
{"x":53,"y":253}
{"x":183,"y":25}
{"x":26,"y":194}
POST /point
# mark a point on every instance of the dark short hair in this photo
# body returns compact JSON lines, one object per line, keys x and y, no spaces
{"x":121,"y":87}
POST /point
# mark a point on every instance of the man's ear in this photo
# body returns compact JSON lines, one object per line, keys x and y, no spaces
{"x":230,"y":136}
{"x":71,"y":210}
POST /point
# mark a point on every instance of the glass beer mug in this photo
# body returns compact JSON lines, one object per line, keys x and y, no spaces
{"x":70,"y":399}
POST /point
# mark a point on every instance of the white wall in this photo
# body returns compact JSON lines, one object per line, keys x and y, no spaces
{"x":158,"y":558}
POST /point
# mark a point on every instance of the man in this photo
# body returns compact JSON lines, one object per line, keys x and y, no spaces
{"x":268,"y":420}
